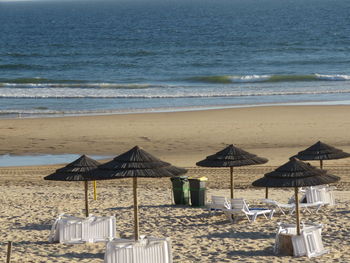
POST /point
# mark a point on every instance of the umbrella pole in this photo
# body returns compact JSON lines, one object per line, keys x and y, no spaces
{"x":267,"y":193}
{"x":297,"y":210}
{"x":136,"y":212}
{"x":95,"y":191}
{"x":231,"y":173}
{"x":321,"y":164}
{"x":86,"y":184}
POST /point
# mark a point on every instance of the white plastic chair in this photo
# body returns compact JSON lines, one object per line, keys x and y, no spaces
{"x":291,"y":207}
{"x":218,"y":203}
{"x":146,"y":250}
{"x":279,"y":206}
{"x":239,"y":206}
{"x":320,"y":193}
{"x":309,"y":243}
{"x":71,"y":230}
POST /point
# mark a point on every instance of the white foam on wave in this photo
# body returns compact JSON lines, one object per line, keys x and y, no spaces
{"x":333,"y":77}
{"x":250,"y":78}
{"x":157,"y":93}
{"x":82,"y":85}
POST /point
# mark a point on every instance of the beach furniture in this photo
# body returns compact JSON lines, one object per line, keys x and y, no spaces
{"x":279,"y":206}
{"x":291,"y":206}
{"x":218,"y":203}
{"x":71,"y":230}
{"x":240,"y":207}
{"x":145,"y":250}
{"x":308,"y":243}
{"x":322,"y":193}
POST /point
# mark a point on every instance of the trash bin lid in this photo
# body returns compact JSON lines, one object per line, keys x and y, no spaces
{"x":202,"y":179}
{"x":182,"y":177}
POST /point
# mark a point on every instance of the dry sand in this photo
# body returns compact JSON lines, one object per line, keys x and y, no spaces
{"x":29,"y":205}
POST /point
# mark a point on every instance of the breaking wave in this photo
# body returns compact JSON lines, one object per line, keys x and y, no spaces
{"x":69,"y":94}
{"x":269,"y":78}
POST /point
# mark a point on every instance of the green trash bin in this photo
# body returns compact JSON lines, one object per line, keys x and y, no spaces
{"x":181,"y":190}
{"x":198,"y":191}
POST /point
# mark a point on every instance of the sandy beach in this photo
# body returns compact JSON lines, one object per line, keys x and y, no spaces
{"x":29,"y":205}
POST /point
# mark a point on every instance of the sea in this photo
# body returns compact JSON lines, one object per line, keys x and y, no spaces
{"x":83,"y":57}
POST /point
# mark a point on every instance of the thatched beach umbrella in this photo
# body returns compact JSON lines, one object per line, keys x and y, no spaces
{"x":78,"y":170}
{"x":137,"y":163}
{"x":231,"y":156}
{"x":295,"y":173}
{"x":321,"y":151}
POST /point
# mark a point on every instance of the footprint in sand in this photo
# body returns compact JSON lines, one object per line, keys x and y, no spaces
{"x":145,"y":138}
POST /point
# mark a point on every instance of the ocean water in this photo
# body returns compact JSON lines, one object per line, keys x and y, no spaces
{"x":97,"y":57}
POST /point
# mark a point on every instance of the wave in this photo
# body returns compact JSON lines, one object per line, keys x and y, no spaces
{"x":51,"y":83}
{"x":64,"y":95}
{"x":269,"y":78}
{"x":72,"y":83}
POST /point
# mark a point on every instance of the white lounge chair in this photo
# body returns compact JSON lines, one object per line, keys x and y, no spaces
{"x":146,"y":250}
{"x":71,"y":230}
{"x":218,"y":203}
{"x":280,"y":206}
{"x":239,"y":207}
{"x":291,"y":207}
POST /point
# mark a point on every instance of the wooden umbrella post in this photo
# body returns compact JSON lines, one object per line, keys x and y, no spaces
{"x":231,"y":173}
{"x":267,"y":193}
{"x":297,"y":210}
{"x":9,"y":250}
{"x":95,"y":190}
{"x":86,"y":185}
{"x":136,"y":212}
{"x":321,"y":164}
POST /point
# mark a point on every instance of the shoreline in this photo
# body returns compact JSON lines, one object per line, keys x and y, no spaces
{"x":274,"y":132}
{"x":23,"y":115}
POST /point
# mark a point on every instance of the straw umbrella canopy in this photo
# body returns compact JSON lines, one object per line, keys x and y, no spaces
{"x":321,"y":151}
{"x":295,"y":173}
{"x":231,"y":156}
{"x":133,"y":164}
{"x":79,"y":170}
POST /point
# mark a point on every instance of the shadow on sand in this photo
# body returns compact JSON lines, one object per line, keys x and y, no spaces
{"x":240,"y":235}
{"x":81,"y":255}
{"x":36,"y":226}
{"x":250,"y":253}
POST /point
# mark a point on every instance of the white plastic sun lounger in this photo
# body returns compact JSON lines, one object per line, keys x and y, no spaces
{"x":239,"y":207}
{"x":291,"y":207}
{"x":280,"y":206}
{"x":146,"y":250}
{"x":71,"y":230}
{"x":218,"y":203}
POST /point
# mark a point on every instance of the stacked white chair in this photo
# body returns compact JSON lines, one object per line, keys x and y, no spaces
{"x":308,"y":243}
{"x":146,"y":250}
{"x":70,"y":230}
{"x":321,"y":193}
